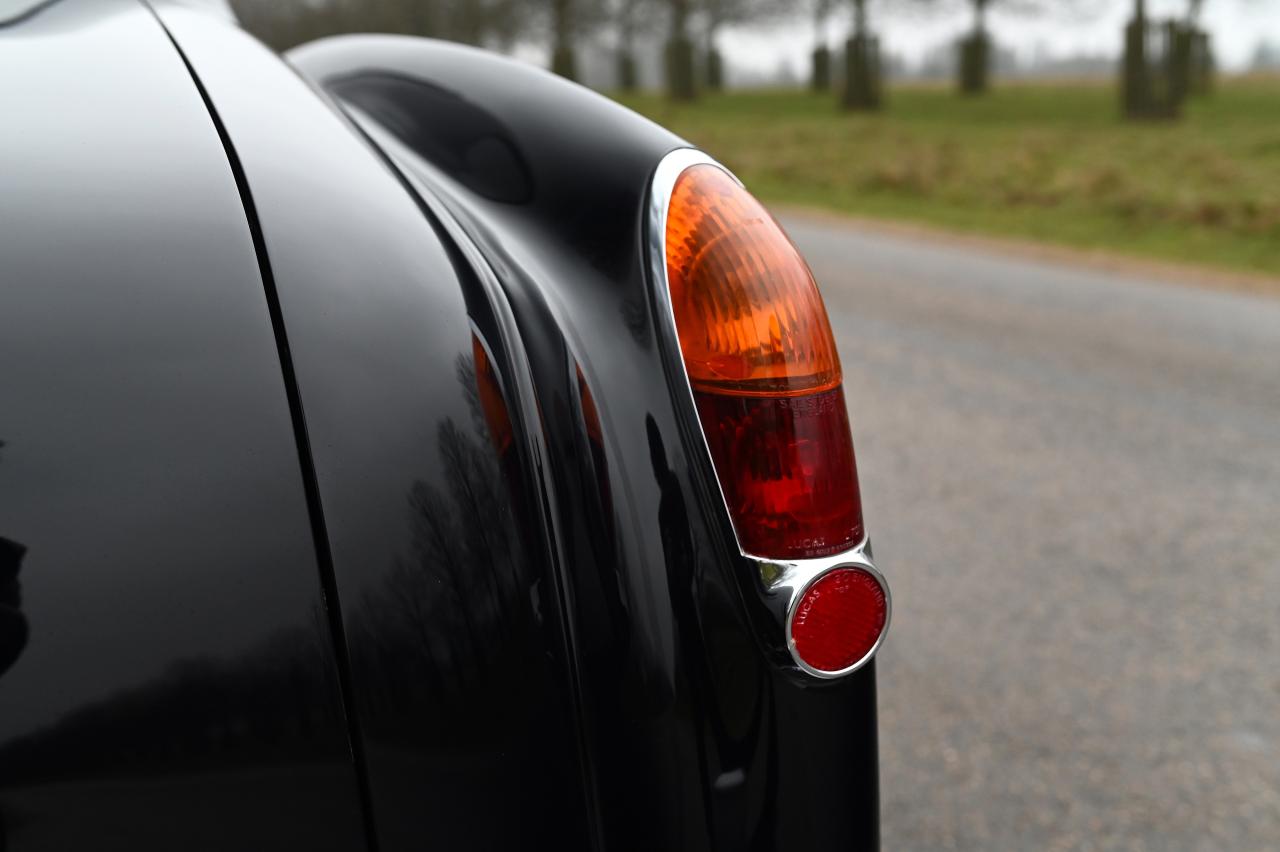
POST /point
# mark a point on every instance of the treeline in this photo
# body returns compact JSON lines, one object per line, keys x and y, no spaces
{"x":688,"y":28}
{"x":1165,"y":61}
{"x":286,"y":23}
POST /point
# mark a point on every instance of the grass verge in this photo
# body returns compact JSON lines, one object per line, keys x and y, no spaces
{"x":1050,"y":162}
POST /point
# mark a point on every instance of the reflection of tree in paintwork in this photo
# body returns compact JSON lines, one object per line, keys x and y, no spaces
{"x":636,"y":319}
{"x":442,"y":643}
{"x":453,"y":620}
{"x":459,"y":685}
{"x":276,"y":703}
{"x":13,"y":624}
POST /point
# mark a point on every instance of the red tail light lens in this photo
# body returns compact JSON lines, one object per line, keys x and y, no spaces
{"x":839,"y":619}
{"x":761,"y":359}
{"x":787,"y":471}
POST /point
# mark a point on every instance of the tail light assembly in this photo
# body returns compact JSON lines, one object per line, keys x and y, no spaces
{"x":750,"y":338}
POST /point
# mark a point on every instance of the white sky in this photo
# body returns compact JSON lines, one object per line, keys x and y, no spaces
{"x":913,"y":28}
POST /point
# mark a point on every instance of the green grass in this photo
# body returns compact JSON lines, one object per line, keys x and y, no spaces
{"x":1050,"y":162}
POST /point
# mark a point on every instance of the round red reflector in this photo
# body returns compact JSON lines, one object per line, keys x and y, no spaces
{"x":838,"y":620}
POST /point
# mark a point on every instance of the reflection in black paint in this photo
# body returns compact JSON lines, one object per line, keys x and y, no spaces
{"x":13,"y":624}
{"x":458,"y":136}
{"x":461,"y":700}
{"x":448,"y":630}
{"x":450,"y":623}
{"x":636,"y":319}
{"x":267,"y":706}
{"x":606,"y":618}
{"x":736,"y":741}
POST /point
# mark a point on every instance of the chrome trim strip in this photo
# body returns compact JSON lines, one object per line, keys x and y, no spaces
{"x":779,"y":579}
{"x":660,"y":190}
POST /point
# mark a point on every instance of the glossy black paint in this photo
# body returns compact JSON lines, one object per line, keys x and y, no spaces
{"x":451,"y":612}
{"x":167,"y":676}
{"x":295,"y":419}
{"x":697,"y":738}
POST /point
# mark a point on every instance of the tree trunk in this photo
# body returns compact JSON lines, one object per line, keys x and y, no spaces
{"x":714,"y":62}
{"x":975,"y":54}
{"x":679,"y":54}
{"x":821,"y":77}
{"x":563,"y":61}
{"x":861,"y":64}
{"x":680,"y":18}
{"x":626,"y":59}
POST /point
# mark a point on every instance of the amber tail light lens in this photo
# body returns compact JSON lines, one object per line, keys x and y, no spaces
{"x":761,"y":359}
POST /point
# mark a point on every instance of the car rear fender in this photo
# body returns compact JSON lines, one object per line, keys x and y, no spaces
{"x":697,"y":738}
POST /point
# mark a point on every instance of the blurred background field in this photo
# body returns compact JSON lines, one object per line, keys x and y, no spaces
{"x":1148,"y":128}
{"x":1043,"y":160}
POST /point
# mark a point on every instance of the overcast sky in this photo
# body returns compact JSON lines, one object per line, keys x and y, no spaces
{"x":911,"y":29}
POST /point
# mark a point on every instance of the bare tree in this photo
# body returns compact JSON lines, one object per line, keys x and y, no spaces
{"x":820,"y":78}
{"x":563,"y":60}
{"x":975,"y":52}
{"x":480,"y":22}
{"x":630,"y":18}
{"x":976,"y":49}
{"x":567,"y":22}
{"x":284,"y":23}
{"x":862,"y":89}
{"x":717,"y":14}
{"x":860,"y":16}
{"x":681,"y":84}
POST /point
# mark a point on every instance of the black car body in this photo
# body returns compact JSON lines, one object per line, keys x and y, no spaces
{"x":350,"y":496}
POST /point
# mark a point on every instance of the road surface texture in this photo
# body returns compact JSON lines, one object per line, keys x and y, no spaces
{"x":1072,"y":479}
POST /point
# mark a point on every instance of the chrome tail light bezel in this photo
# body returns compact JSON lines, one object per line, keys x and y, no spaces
{"x":781,"y":584}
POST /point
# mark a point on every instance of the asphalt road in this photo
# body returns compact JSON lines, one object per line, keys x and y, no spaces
{"x":1072,"y":479}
